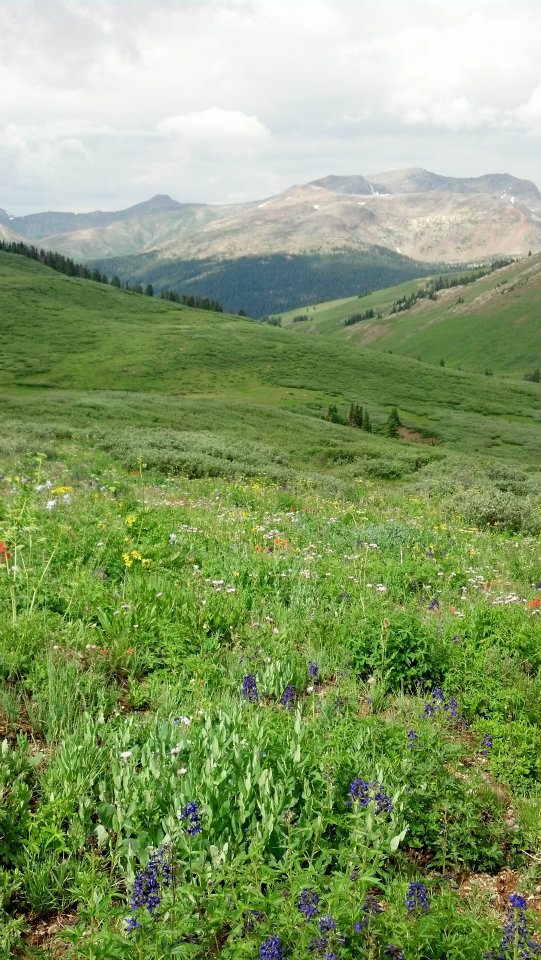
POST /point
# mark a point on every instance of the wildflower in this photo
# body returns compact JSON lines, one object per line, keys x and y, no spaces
{"x":67,"y":499}
{"x":516,"y":941}
{"x":416,"y":897}
{"x":190,"y":813}
{"x":130,"y":520}
{"x":429,"y":710}
{"x":535,"y":603}
{"x":249,"y":688}
{"x":326,"y":924}
{"x":51,"y":504}
{"x":451,"y":707}
{"x":308,"y":903}
{"x":372,"y":906}
{"x":364,"y":792}
{"x":412,"y":737}
{"x":313,"y":672}
{"x":487,"y":743}
{"x":434,"y":604}
{"x":4,"y":552}
{"x":125,"y":755}
{"x":438,"y":695}
{"x":393,"y":951}
{"x":288,"y":696}
{"x":251,"y":917}
{"x":182,"y":771}
{"x":173,"y":538}
{"x":146,"y":886}
{"x":131,"y":923}
{"x":271,"y":949}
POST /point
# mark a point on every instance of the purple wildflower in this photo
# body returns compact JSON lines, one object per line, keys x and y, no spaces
{"x":249,"y":688}
{"x":313,"y":672}
{"x":363,"y":792}
{"x":487,"y":743}
{"x":271,"y":949}
{"x":146,"y":886}
{"x":391,"y":950}
{"x":190,"y":813}
{"x":412,"y":737}
{"x":451,"y":707}
{"x":131,"y":923}
{"x":416,"y":897}
{"x":288,"y":696}
{"x":434,"y":604}
{"x":326,"y":924}
{"x":516,"y":941}
{"x":308,"y":903}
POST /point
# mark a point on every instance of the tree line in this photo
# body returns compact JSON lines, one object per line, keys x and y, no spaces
{"x":429,"y":291}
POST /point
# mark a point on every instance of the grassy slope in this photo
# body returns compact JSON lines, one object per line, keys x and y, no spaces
{"x":217,"y":375}
{"x":497,"y":326}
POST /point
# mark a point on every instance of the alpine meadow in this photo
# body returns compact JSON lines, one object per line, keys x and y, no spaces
{"x":270,"y":473}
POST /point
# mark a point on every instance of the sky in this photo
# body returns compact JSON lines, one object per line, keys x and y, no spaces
{"x":105,"y":103}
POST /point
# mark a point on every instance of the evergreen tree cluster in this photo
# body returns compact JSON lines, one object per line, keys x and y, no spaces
{"x":189,"y":300}
{"x":368,"y":314}
{"x":429,"y":291}
{"x":359,"y":418}
{"x":56,"y":261}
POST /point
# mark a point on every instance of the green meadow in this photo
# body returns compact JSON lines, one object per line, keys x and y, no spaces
{"x":270,"y":684}
{"x":492,"y":323}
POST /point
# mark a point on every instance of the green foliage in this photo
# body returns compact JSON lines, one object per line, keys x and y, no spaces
{"x":501,"y":509}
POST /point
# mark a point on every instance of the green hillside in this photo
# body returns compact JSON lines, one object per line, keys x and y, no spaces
{"x":89,"y":355}
{"x":263,"y":284}
{"x":269,"y":684}
{"x":493,"y":322}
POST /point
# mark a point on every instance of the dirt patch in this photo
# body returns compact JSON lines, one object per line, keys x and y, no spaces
{"x":498,"y":889}
{"x":406,"y":433}
{"x":41,"y":931}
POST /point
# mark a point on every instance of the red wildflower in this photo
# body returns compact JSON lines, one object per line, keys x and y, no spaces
{"x":535,"y":603}
{"x":4,"y":552}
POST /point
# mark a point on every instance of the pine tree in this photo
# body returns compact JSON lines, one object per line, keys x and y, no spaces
{"x":351,"y":415}
{"x":393,"y":423}
{"x":149,"y":290}
{"x":367,"y":423}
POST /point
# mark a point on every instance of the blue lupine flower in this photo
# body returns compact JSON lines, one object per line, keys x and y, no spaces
{"x":412,"y":737}
{"x":190,"y":813}
{"x":313,"y":672}
{"x":251,"y":917}
{"x":271,"y":949}
{"x":391,"y":950}
{"x":131,"y":923}
{"x":288,"y":696}
{"x":438,"y":695}
{"x":308,"y":903}
{"x":319,"y":945}
{"x":487,"y":743}
{"x":363,"y":792}
{"x":515,"y":940}
{"x":429,"y":710}
{"x":371,"y":905}
{"x":146,"y":886}
{"x":326,"y":924}
{"x":434,"y":604}
{"x":451,"y":707}
{"x":416,"y":896}
{"x":249,"y":688}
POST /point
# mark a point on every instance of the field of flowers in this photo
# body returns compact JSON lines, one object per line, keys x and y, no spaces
{"x":242,"y":720}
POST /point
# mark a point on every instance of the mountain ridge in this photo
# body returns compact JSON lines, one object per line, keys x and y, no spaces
{"x":412,"y":211}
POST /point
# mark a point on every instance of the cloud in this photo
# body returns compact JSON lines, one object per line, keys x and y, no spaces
{"x":214,"y":130}
{"x":214,"y":99}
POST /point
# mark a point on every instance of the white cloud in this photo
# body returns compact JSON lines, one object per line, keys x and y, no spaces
{"x":214,"y":99}
{"x":213,"y":131}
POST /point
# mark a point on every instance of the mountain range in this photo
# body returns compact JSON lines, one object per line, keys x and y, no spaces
{"x":412,"y":212}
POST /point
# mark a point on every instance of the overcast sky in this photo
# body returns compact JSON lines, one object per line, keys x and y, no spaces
{"x":104,"y":103}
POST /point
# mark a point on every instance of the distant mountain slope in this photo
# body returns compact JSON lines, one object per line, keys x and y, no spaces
{"x":494,"y":322}
{"x":73,"y":347}
{"x":265,"y":284}
{"x":413,"y":212}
